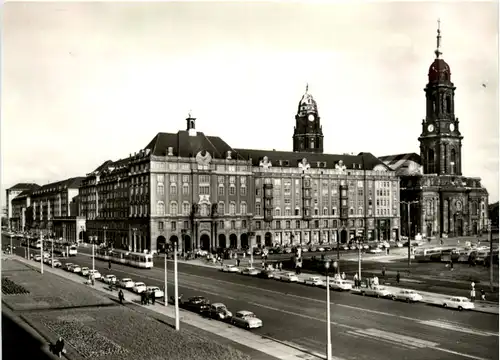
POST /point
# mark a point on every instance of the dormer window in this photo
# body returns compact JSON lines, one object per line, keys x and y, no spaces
{"x":287,"y":163}
{"x":170,"y":151}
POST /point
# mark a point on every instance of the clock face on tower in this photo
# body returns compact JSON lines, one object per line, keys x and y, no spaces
{"x":310,"y":117}
{"x":430,"y":128}
{"x":452,"y":127}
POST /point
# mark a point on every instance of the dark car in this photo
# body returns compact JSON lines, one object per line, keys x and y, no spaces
{"x":197,"y":304}
{"x":257,"y":252}
{"x":266,"y":274}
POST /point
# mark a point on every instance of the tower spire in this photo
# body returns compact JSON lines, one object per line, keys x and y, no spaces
{"x":307,"y":87}
{"x":438,"y":48}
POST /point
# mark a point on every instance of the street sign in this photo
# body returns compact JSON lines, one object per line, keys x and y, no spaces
{"x":335,"y":264}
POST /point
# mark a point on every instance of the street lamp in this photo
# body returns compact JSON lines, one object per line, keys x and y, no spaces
{"x":328,"y":322}
{"x":490,"y":238}
{"x":359,"y":246}
{"x":176,"y":288}
{"x":165,"y":292}
{"x":105,"y":228}
{"x":408,"y":204}
{"x":41,"y":253}
{"x":11,"y":244}
{"x":251,"y":235}
{"x":94,"y":239}
{"x":134,"y":230}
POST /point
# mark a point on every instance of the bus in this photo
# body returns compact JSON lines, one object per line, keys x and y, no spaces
{"x":65,"y":247}
{"x":140,"y":260}
{"x":430,"y":254}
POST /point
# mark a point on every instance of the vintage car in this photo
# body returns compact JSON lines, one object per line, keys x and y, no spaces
{"x":246,"y":319}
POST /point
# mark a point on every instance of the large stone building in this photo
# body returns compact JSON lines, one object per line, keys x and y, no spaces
{"x":445,"y":203}
{"x":198,"y":189}
{"x":14,"y":212}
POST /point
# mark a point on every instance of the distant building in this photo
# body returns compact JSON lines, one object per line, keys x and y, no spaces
{"x":493,"y":215}
{"x":14,"y":219}
{"x":446,"y":202}
{"x":196,"y":188}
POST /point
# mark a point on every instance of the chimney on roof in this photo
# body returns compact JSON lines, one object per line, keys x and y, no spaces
{"x":170,"y":151}
{"x":191,"y":124}
{"x":228,"y":157}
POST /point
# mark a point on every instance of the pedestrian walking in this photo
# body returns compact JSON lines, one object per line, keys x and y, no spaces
{"x":153,"y":297}
{"x":121,"y":297}
{"x":238,"y":262}
{"x":483,"y":295}
{"x":388,"y":251}
{"x":92,"y":279}
{"x":143,"y":302}
{"x":59,"y":347}
{"x":473,"y":295}
{"x":280,"y":266}
{"x":472,"y":285}
{"x":343,"y":275}
{"x":451,"y":265}
{"x":355,"y":279}
{"x":109,"y":265}
{"x":398,"y":277}
{"x":383,"y":272}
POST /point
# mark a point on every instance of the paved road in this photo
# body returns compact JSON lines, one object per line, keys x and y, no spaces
{"x":362,"y":328}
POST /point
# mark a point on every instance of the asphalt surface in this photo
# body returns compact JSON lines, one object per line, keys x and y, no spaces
{"x":362,"y":327}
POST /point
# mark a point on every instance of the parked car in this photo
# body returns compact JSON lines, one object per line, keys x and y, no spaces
{"x":289,"y":276}
{"x":321,"y":249}
{"x":37,"y":257}
{"x":314,"y":281}
{"x":197,"y":304}
{"x":56,"y":263}
{"x":407,"y":295}
{"x":377,"y":290}
{"x":139,"y":287}
{"x":267,"y":274}
{"x":246,"y":319}
{"x":67,"y":266}
{"x":85,"y":271}
{"x":97,"y":274}
{"x":458,"y":302}
{"x":230,"y":268}
{"x":250,"y":271}
{"x":219,"y":311}
{"x":109,"y":279}
{"x":75,"y":268}
{"x":126,"y":283}
{"x":341,"y":285}
{"x":375,"y":251}
{"x":155,"y":290}
{"x":345,"y":247}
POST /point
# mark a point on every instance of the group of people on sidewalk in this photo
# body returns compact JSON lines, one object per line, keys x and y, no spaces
{"x":147,"y":296}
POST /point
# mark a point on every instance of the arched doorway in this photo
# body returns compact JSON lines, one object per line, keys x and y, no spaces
{"x":174,"y":240}
{"x":161,"y":243}
{"x":205,"y":242}
{"x":233,"y":241}
{"x":474,"y":228}
{"x":222,"y":241}
{"x":459,"y":225}
{"x":343,"y":236}
{"x":244,"y":241}
{"x":429,"y":230}
{"x":268,"y":239}
{"x":188,"y":246}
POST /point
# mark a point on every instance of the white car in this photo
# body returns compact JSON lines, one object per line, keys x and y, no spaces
{"x":246,"y":319}
{"x":230,"y":268}
{"x":377,"y":290}
{"x":250,"y":271}
{"x":67,"y":266}
{"x":314,"y":281}
{"x":97,"y":274}
{"x":353,"y":247}
{"x":56,"y":263}
{"x":375,"y":251}
{"x":109,"y":279}
{"x":37,"y":257}
{"x":408,"y":296}
{"x":290,"y":277}
{"x":399,"y":245}
{"x":458,"y":302}
{"x":321,"y":249}
{"x":156,"y":290}
{"x":345,"y":247}
{"x":85,"y":271}
{"x":386,"y":245}
{"x":341,"y":285}
{"x":139,"y":287}
{"x":126,"y":283}
{"x":366,"y":247}
{"x":75,"y":268}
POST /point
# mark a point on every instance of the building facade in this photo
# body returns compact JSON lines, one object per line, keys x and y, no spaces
{"x":14,"y":215}
{"x":197,"y":189}
{"x":445,"y":203}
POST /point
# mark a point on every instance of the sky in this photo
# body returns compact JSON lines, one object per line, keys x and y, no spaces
{"x":83,"y":83}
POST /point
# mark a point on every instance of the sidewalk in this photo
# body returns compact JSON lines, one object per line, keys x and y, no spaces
{"x":268,"y":346}
{"x":429,"y":297}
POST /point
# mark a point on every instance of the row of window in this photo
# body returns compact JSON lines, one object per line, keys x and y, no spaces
{"x":185,"y":225}
{"x":308,"y":182}
{"x":299,"y":224}
{"x":205,"y":209}
{"x":202,"y":179}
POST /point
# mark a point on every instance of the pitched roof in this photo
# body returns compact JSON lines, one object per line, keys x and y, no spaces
{"x":403,"y":164}
{"x":25,"y":186}
{"x":184,"y":145}
{"x":71,"y":183}
{"x":363,"y":160}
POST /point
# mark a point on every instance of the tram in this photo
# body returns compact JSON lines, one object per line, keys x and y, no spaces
{"x":140,"y":260}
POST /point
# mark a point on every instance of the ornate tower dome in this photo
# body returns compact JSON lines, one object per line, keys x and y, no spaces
{"x":307,"y":104}
{"x":439,"y":69}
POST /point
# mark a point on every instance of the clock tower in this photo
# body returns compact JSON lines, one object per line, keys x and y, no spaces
{"x":440,"y":141}
{"x":307,"y":134}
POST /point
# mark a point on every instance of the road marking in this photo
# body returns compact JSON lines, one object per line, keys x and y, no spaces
{"x":377,"y":312}
{"x":398,"y":338}
{"x":456,"y":327}
{"x":460,"y":354}
{"x":359,"y":334}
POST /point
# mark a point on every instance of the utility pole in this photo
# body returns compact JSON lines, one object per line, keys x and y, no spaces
{"x":176,"y":289}
{"x":490,"y":238}
{"x":165,"y":292}
{"x":41,"y":253}
{"x":408,"y":204}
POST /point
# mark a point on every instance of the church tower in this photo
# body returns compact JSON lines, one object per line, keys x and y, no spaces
{"x":440,"y":141}
{"x":307,"y":134}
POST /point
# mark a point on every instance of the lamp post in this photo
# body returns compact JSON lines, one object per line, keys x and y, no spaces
{"x":82,"y":229}
{"x":176,"y":288}
{"x":134,"y":230}
{"x":165,"y":291}
{"x":41,"y":252}
{"x":408,"y":204}
{"x":251,"y":235}
{"x":52,"y":250}
{"x":64,"y":231}
{"x":11,"y":244}
{"x":490,"y":238}
{"x":105,"y":228}
{"x":359,"y":245}
{"x":94,"y":239}
{"x":328,"y":321}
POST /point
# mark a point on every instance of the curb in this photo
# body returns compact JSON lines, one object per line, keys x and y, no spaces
{"x":297,"y":347}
